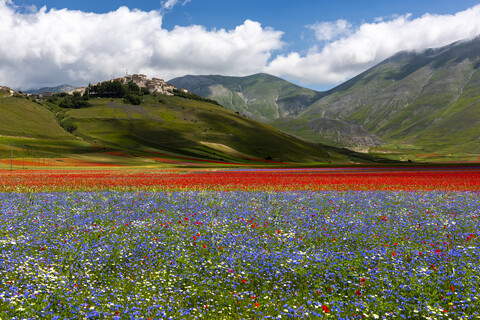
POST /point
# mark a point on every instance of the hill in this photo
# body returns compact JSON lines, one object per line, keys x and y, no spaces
{"x":162,"y":130}
{"x":261,"y":96}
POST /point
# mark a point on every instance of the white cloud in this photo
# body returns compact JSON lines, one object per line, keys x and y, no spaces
{"x":371,"y":43}
{"x":331,"y":30}
{"x":169,"y":4}
{"x":49,"y":47}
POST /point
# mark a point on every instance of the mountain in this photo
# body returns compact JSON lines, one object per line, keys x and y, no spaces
{"x":261,"y":96}
{"x":413,"y":105}
{"x":428,"y":100}
{"x":162,"y":130}
{"x":57,"y":89}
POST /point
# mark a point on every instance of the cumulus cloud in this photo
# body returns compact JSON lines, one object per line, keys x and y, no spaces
{"x":331,"y":30}
{"x":370,"y":43}
{"x":49,"y":47}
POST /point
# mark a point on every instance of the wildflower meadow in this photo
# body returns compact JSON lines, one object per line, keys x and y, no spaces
{"x":240,"y":244}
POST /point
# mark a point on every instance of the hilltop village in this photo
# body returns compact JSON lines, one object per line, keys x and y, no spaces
{"x":154,"y":85}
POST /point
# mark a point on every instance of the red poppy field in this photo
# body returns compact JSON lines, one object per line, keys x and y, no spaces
{"x":395,"y":179}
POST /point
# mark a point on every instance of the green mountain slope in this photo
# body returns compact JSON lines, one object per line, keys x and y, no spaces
{"x":161,"y":130}
{"x":430,"y":100}
{"x":261,"y":96}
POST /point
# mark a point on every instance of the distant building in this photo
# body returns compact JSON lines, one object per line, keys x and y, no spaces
{"x":34,"y":95}
{"x":4,"y":88}
{"x":80,"y":90}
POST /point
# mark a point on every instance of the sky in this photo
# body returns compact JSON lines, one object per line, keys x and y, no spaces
{"x":315,"y":43}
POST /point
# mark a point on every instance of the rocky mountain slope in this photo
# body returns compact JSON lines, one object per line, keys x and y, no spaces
{"x":429,"y":99}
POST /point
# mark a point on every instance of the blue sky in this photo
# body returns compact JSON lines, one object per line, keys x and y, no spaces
{"x":318,"y":44}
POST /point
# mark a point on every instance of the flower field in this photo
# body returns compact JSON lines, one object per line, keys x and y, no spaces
{"x":265,"y":244}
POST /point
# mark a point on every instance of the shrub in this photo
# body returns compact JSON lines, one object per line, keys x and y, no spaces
{"x":132,"y":99}
{"x":72,"y":102}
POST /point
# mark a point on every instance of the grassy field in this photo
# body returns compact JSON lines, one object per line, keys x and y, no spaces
{"x":163,"y":130}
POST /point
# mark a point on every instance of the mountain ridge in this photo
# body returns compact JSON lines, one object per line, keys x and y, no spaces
{"x":408,"y":96}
